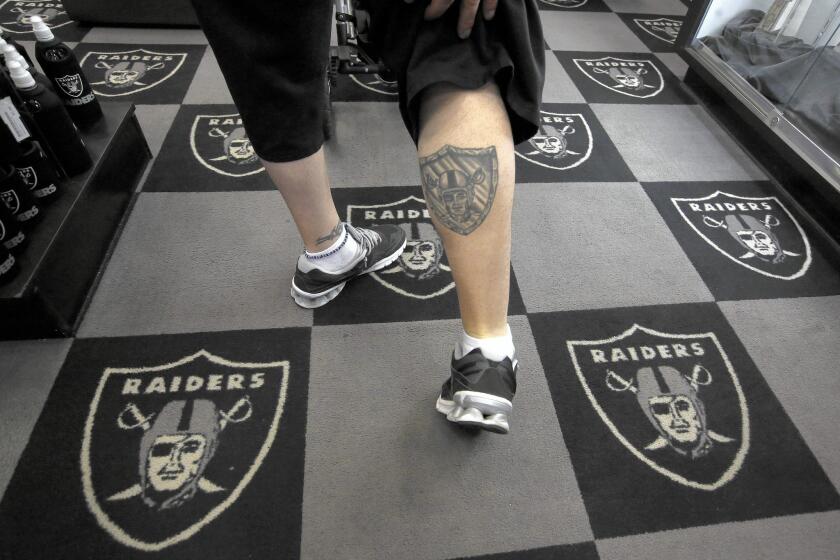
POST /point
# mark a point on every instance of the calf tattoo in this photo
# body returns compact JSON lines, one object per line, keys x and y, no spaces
{"x":336,"y":231}
{"x":460,"y":184}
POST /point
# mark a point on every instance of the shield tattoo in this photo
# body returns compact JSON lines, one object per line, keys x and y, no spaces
{"x":376,"y":83}
{"x":118,"y":73}
{"x":220,"y":143}
{"x":16,"y":16}
{"x":461,"y":184}
{"x":673,"y":400}
{"x":635,"y":78}
{"x":168,"y":448}
{"x":565,"y":3}
{"x":11,"y":200}
{"x":422,"y":271}
{"x":664,"y":29}
{"x":758,"y":233}
{"x":29,"y":176}
{"x":564,"y":141}
{"x":71,"y":84}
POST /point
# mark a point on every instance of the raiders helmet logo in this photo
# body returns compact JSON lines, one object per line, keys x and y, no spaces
{"x":168,"y":448}
{"x":221,"y":144}
{"x":16,"y":16}
{"x":673,"y":400}
{"x":635,"y":78}
{"x":125,"y":72}
{"x":563,"y":141}
{"x":71,"y":84}
{"x":664,"y":29}
{"x":757,"y":233}
{"x":375,"y":82}
{"x":565,"y":3}
{"x":11,"y":200}
{"x":29,"y":176}
{"x":460,"y":186}
{"x":421,"y":272}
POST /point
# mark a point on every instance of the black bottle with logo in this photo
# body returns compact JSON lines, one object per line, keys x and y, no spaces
{"x":10,"y":40}
{"x":8,"y":266}
{"x":52,"y":119}
{"x":12,"y":237}
{"x":38,"y":174}
{"x":8,"y":53}
{"x":60,"y":65}
{"x":16,"y":197}
{"x":13,"y":132}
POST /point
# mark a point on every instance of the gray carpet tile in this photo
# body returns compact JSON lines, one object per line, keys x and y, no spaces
{"x":559,"y":87}
{"x":585,"y":31}
{"x":795,"y":344}
{"x":812,"y":535}
{"x":155,"y":121}
{"x":674,"y":143}
{"x":139,"y":35}
{"x":200,"y":262}
{"x":583,"y":244}
{"x":664,"y":7}
{"x":208,"y":85}
{"x":674,"y":63}
{"x":386,"y":474}
{"x":27,"y":371}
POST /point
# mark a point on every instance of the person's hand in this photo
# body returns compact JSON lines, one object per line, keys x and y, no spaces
{"x":469,"y":11}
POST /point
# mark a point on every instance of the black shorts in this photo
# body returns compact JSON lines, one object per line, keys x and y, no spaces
{"x":274,"y":57}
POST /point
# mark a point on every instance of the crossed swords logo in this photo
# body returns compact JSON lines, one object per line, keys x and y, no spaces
{"x":131,"y":418}
{"x":25,"y":17}
{"x":626,"y":78}
{"x":760,"y":243}
{"x":120,"y":75}
{"x":238,"y":148}
{"x":553,"y":143}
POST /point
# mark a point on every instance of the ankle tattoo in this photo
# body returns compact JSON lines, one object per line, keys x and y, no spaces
{"x":460,"y":185}
{"x":336,"y":231}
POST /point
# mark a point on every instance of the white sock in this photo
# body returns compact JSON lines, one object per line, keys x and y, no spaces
{"x":338,"y":257}
{"x":496,"y":348}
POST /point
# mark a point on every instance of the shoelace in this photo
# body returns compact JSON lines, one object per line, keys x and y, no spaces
{"x":366,"y":237}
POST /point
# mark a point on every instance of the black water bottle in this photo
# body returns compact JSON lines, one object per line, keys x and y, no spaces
{"x":12,"y":237}
{"x":7,"y":37}
{"x":38,"y":174}
{"x":13,"y":132}
{"x":8,"y":53}
{"x":8,"y":266}
{"x":52,"y":119}
{"x":16,"y":197}
{"x":60,"y":65}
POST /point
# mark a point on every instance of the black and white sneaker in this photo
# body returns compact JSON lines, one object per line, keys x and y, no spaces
{"x":379,"y":247}
{"x":479,"y":392}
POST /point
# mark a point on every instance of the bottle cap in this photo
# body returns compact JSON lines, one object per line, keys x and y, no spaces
{"x":41,"y":30}
{"x":21,"y":78}
{"x":12,"y":54}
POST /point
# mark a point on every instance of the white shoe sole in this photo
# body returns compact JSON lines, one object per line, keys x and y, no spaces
{"x":481,"y":410}
{"x":311,"y":301}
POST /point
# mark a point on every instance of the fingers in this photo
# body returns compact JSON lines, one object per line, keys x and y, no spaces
{"x":466,"y":20}
{"x":489,"y":8}
{"x":437,"y":8}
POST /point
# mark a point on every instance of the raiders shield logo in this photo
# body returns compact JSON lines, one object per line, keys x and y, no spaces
{"x":168,"y":448}
{"x":757,"y":233}
{"x":421,"y":272}
{"x":71,"y":84}
{"x":664,"y":29}
{"x":636,"y":78}
{"x":565,"y":3}
{"x":16,"y":17}
{"x":29,"y":176}
{"x":563,"y":141}
{"x":221,"y":144}
{"x":461,"y":185}
{"x":375,"y":82}
{"x":125,"y":72}
{"x":11,"y":200}
{"x":673,"y":400}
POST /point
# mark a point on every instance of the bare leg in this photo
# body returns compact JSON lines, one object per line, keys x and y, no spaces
{"x":305,"y":187}
{"x":473,"y":221}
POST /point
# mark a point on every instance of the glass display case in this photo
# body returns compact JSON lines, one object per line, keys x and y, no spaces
{"x":781,"y":59}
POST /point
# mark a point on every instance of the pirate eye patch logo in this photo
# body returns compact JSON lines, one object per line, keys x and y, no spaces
{"x":168,"y":448}
{"x":421,"y":271}
{"x":376,"y":83}
{"x":70,"y":84}
{"x":220,"y":143}
{"x":16,"y":17}
{"x":11,"y":200}
{"x":460,"y":184}
{"x":634,"y":78}
{"x":673,"y":400}
{"x":564,"y":141}
{"x":758,"y":233}
{"x":664,"y":29}
{"x":114,"y":74}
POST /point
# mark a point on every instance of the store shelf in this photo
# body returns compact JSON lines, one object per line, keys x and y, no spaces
{"x":67,"y":248}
